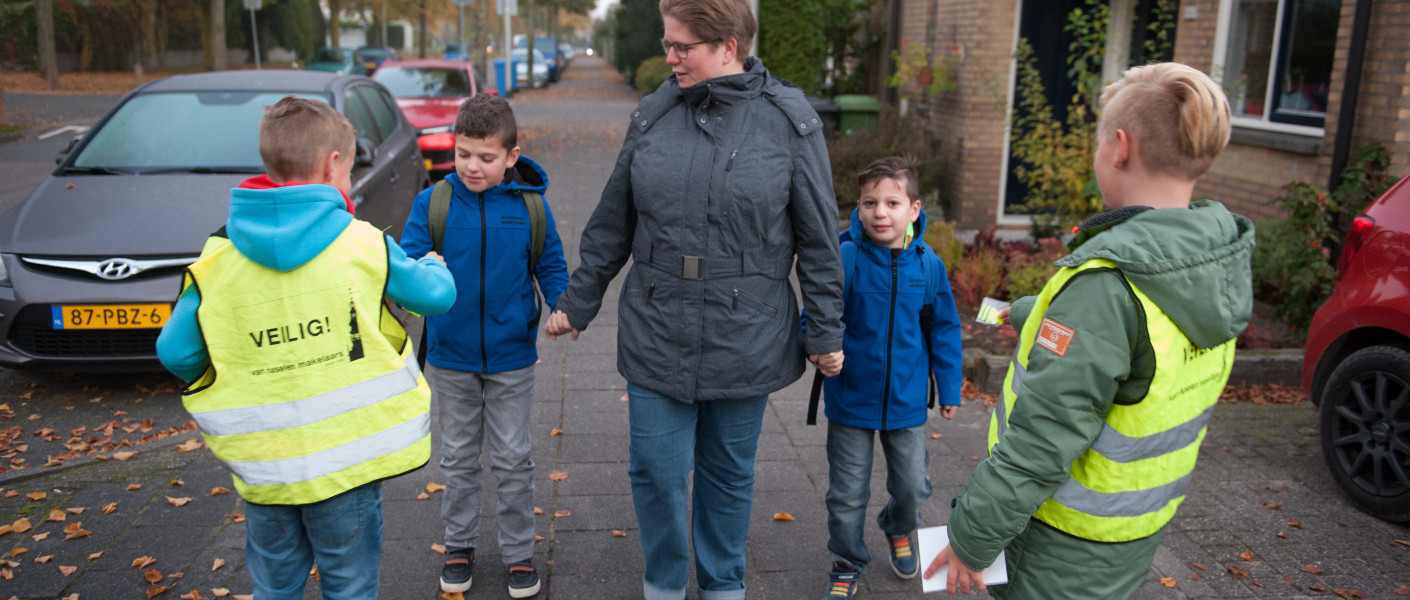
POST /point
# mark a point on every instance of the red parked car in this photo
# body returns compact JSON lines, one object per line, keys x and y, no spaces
{"x":429,"y":93}
{"x":1357,"y":364}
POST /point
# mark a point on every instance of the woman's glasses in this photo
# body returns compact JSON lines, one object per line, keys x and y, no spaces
{"x":682,"y":50}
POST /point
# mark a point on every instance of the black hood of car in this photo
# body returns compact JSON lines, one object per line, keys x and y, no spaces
{"x":119,"y":215}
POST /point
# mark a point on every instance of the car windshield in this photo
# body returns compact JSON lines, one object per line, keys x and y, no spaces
{"x":178,"y":131}
{"x":424,"y":82}
{"x":522,"y":54}
{"x":374,"y":53}
{"x":330,"y":55}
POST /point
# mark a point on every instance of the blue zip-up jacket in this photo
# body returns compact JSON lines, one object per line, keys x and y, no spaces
{"x":493,"y":326}
{"x":283,"y":228}
{"x":883,"y":384}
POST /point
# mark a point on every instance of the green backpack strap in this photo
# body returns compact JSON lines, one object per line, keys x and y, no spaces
{"x":438,"y":213}
{"x":538,"y":227}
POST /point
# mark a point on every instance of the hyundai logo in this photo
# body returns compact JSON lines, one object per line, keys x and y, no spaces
{"x":116,"y":268}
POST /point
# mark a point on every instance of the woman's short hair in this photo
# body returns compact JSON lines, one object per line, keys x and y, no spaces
{"x":715,"y":20}
{"x":483,"y":116}
{"x":295,"y":133}
{"x":1178,"y":115}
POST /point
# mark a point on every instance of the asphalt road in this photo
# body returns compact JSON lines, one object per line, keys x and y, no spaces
{"x":27,"y":161}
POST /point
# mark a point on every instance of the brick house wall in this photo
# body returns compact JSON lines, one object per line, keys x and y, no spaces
{"x":1248,"y":176}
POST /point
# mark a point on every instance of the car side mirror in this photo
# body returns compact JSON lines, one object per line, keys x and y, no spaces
{"x":366,"y":152}
{"x":65,"y":152}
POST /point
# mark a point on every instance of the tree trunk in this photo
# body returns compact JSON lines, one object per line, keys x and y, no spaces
{"x":335,"y":7}
{"x":3,"y":117}
{"x":482,"y":41}
{"x":147,"y":18}
{"x":48,"y":57}
{"x":421,"y":39}
{"x":218,"y":35}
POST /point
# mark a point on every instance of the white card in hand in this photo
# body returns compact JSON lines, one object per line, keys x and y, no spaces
{"x":930,"y":541}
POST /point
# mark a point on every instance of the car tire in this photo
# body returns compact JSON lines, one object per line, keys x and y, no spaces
{"x":1364,"y":423}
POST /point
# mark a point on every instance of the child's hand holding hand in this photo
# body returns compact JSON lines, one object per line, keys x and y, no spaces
{"x":437,"y":256}
{"x":829,"y":364}
{"x":558,"y":325}
{"x":949,"y":411}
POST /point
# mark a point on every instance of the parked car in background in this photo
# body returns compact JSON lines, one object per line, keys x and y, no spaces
{"x":91,"y":261}
{"x":1356,"y":367}
{"x":549,"y":48}
{"x":429,"y":93}
{"x":454,"y":51}
{"x":342,"y":61}
{"x":520,"y":58}
{"x":372,"y":57}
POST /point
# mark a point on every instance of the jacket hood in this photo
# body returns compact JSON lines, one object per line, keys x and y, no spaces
{"x":525,"y":176}
{"x":283,"y":228}
{"x":1193,"y":263}
{"x":730,"y":89}
{"x":856,"y":232}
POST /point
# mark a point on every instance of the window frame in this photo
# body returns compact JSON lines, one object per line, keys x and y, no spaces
{"x":1275,"y":69}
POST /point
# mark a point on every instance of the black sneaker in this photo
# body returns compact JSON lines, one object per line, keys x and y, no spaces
{"x":458,"y":570}
{"x":523,"y":579}
{"x":842,"y":581}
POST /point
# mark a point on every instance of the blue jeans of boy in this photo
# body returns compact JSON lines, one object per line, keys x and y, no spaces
{"x":718,"y":439}
{"x":849,"y":460}
{"x":343,"y":533}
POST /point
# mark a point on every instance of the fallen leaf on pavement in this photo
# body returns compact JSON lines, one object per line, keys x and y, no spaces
{"x":935,"y":436}
{"x":155,"y":590}
{"x":1289,"y":579}
{"x":556,"y":432}
{"x":44,"y":559}
{"x":125,"y":456}
{"x":433,"y":487}
{"x":238,"y":517}
{"x":4,"y":529}
{"x":1247,"y":556}
{"x":7,"y":574}
{"x":538,"y":511}
{"x":220,"y":592}
{"x":18,"y":550}
{"x":438,"y":548}
{"x":314,"y":573}
{"x":624,"y":397}
{"x":109,"y":508}
{"x":132,"y":487}
{"x":244,"y":597}
{"x":782,"y":516}
{"x":1237,"y":572}
{"x":1348,"y":594}
{"x":57,"y":515}
{"x":177,"y":483}
{"x":423,"y":496}
{"x":1275,"y":505}
{"x":1257,"y":584}
{"x":1403,"y":590}
{"x":152,"y":575}
{"x":142,"y":561}
{"x":452,"y":596}
{"x":562,"y":513}
{"x":1401,"y":542}
{"x":77,"y":510}
{"x":67,"y":570}
{"x":219,"y":491}
{"x":1313,"y":569}
{"x":618,"y":533}
{"x":50,"y":461}
{"x":538,"y":538}
{"x":21,"y":526}
{"x":1294,"y":523}
{"x":1317,"y":587}
{"x":558,"y":476}
{"x":218,"y":563}
{"x":189,"y":445}
{"x":73,"y":596}
{"x":1167,"y":582}
{"x":11,"y":494}
{"x":178,"y":501}
{"x":1282,"y":535}
{"x":95,"y":556}
{"x":39,"y":537}
{"x":36,"y":495}
{"x":191,"y":595}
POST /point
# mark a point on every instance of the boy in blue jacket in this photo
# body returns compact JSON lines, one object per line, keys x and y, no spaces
{"x":891,"y":349}
{"x":481,"y":353}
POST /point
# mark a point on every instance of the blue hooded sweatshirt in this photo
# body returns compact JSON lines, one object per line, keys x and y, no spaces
{"x":883,"y":384}
{"x":493,"y":326}
{"x":283,"y":228}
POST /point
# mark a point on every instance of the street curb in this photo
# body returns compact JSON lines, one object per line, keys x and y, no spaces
{"x":1251,"y":367}
{"x":35,"y":471}
{"x":13,"y":136}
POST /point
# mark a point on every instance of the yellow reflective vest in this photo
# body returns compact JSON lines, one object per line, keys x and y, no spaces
{"x":1127,"y":485}
{"x":313,"y":387}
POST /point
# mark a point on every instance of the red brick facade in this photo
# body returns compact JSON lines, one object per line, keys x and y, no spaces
{"x":1248,"y":177}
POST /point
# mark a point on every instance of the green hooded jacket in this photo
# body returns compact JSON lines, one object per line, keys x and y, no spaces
{"x":1194,"y":264}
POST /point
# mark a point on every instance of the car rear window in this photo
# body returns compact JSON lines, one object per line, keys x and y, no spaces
{"x":218,"y":130}
{"x":424,"y":83}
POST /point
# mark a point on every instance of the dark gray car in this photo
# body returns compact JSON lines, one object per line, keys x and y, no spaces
{"x":91,"y":262}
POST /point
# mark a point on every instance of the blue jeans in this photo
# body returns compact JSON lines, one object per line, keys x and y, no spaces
{"x":849,"y":459}
{"x":718,"y":439}
{"x":343,"y":533}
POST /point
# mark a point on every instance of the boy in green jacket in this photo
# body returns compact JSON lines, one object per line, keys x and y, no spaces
{"x":1121,"y":359}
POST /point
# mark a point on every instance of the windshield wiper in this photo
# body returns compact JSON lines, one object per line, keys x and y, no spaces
{"x":202,"y":170}
{"x":95,"y":171}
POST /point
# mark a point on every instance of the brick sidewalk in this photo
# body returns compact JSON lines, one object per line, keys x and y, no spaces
{"x":1259,"y":468}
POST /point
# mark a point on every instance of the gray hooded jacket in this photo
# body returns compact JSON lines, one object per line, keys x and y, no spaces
{"x":717,"y":187}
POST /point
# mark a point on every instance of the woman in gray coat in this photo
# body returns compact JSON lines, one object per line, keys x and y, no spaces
{"x":722,"y":180}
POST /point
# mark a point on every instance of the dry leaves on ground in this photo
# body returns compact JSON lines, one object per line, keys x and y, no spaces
{"x":434,"y":487}
{"x":1263,"y":394}
{"x":1403,"y":590}
{"x":67,"y":570}
{"x":152,"y":575}
{"x":143,"y":562}
{"x":1247,"y":556}
{"x":218,"y":563}
{"x":183,"y":501}
{"x":219,"y":491}
{"x":618,"y":533}
{"x":558,"y":476}
{"x":75,"y":530}
{"x":438,"y":548}
{"x":1237,"y":572}
{"x":1348,"y":594}
{"x":57,"y":515}
{"x":155,"y":590}
{"x":562,"y":513}
{"x":109,"y":508}
{"x":1313,"y":569}
{"x":191,"y":595}
{"x":189,"y":445}
{"x":1167,"y":582}
{"x":782,"y":516}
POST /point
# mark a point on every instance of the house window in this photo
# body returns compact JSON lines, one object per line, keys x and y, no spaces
{"x":1278,"y":60}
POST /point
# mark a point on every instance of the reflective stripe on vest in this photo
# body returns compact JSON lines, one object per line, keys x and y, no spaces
{"x":313,"y":387}
{"x":1128,"y":484}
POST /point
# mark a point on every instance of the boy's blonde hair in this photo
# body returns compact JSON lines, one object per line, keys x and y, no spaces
{"x":296,"y":133}
{"x":1177,"y":114}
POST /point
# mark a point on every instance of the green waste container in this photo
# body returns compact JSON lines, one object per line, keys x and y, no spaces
{"x":855,"y":111}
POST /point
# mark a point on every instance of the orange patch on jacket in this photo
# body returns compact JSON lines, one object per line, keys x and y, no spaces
{"x":1055,"y":337}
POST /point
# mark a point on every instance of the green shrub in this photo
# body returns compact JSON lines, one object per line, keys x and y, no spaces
{"x":1028,"y":273}
{"x":911,"y":136}
{"x":979,"y":275}
{"x":792,"y":40}
{"x":651,"y":74}
{"x":940,"y":236}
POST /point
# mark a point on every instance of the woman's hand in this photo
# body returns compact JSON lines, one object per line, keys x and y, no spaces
{"x":829,"y":364}
{"x":557,"y":325}
{"x":958,"y":573}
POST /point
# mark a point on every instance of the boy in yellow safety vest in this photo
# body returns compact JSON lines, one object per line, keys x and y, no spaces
{"x":302,"y":382}
{"x":1121,"y":359}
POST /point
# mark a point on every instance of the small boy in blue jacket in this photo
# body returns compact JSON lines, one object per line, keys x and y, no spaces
{"x":481,"y":353}
{"x":892,"y":278}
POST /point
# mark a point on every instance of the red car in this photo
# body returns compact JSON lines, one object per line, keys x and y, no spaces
{"x":429,"y":92}
{"x":1357,"y":364}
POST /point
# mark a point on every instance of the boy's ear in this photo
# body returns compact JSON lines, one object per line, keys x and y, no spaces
{"x":513,"y":157}
{"x":915,"y":210}
{"x":1125,"y":148}
{"x":328,"y":166}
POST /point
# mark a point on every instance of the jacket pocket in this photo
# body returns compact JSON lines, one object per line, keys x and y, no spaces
{"x":647,"y":322}
{"x":744,"y":338}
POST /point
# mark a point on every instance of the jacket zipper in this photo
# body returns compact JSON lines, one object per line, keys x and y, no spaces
{"x":890,"y":329}
{"x":484,"y":234}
